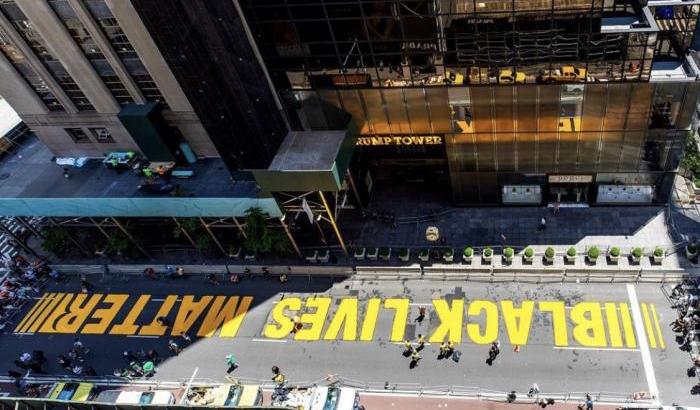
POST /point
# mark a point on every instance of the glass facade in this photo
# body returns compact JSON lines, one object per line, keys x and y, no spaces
{"x":26,"y":29}
{"x":518,"y":90}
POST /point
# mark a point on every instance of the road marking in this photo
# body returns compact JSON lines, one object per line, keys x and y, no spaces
{"x":144,"y":336}
{"x":412,"y":343}
{"x":658,"y":328}
{"x":647,"y":326}
{"x":21,"y":333}
{"x":601,"y":349}
{"x":270,"y":340}
{"x":30,"y":314}
{"x":627,"y":325}
{"x":189,"y":384}
{"x":643,"y":345}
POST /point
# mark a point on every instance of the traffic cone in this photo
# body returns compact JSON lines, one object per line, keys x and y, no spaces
{"x":516,"y":349}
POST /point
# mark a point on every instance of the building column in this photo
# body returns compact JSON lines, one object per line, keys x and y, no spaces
{"x":149,"y":54}
{"x":62,"y":46}
{"x":37,"y":65}
{"x":17,"y":92}
{"x":106,"y":48}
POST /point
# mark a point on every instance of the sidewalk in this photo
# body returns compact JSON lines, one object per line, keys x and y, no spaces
{"x":406,"y":402}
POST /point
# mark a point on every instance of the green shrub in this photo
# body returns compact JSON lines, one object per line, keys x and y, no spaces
{"x":658,"y":252}
{"x":508,"y":252}
{"x":384,"y":252}
{"x":571,"y":251}
{"x":529,"y":252}
{"x":403,"y":252}
{"x":593,"y":252}
{"x":691,"y":159}
{"x":637,"y":252}
{"x":468,"y":252}
{"x":614,"y":251}
{"x":488,"y":251}
{"x":549,"y":252}
{"x":448,"y":252}
{"x":423,"y":253}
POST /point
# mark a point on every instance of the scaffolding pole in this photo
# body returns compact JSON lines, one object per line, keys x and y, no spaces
{"x":71,"y":238}
{"x":184,"y":231}
{"x":332,"y":220}
{"x":240,"y":227}
{"x":289,"y":234}
{"x":131,"y":238}
{"x":216,"y":241}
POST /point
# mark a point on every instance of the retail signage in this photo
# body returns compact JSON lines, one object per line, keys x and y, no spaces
{"x":400,"y":140}
{"x":570,"y":179}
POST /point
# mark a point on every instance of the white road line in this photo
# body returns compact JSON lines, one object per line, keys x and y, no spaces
{"x":144,"y":336}
{"x":270,"y":340}
{"x":420,"y":304}
{"x":412,"y":343}
{"x":163,"y":300}
{"x":602,"y":349}
{"x":642,"y":340}
{"x":21,"y":333}
{"x":189,"y":384}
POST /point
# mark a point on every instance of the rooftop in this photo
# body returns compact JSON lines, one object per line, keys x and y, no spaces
{"x":31,"y":183}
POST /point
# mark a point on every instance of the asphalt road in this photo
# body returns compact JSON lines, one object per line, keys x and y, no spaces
{"x":570,"y":337}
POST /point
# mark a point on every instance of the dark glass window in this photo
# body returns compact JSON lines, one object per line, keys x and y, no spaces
{"x":78,"y":135}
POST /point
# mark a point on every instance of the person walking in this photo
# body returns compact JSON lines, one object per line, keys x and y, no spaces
{"x":556,"y":207}
{"x":85,"y":286}
{"x":415,"y":357}
{"x":543,"y":224}
{"x":421,"y":314}
{"x":231,"y":362}
{"x":174,"y":347}
{"x":408,"y":348}
{"x":421,"y":342}
{"x":589,"y":402}
{"x":443,"y":350}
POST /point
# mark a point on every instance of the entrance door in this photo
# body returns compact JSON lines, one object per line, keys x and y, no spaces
{"x":568,"y":193}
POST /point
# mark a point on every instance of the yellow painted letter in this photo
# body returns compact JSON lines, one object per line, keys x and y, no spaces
{"x":517,"y":320}
{"x":77,"y":313}
{"x":400,"y":317}
{"x":451,"y":320}
{"x":105,"y":316}
{"x":589,"y":329}
{"x":346,"y":317}
{"x":127,"y":327}
{"x":315,"y":320}
{"x":370,"y":321}
{"x":283,"y":324}
{"x":225,"y":314}
{"x":490,"y":333}
{"x":155,"y":328}
{"x":558,"y":311}
{"x":188,"y":313}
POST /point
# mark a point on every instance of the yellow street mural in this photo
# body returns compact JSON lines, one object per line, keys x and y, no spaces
{"x":586,"y":324}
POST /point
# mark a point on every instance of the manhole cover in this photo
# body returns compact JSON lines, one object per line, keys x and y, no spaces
{"x":4,"y":176}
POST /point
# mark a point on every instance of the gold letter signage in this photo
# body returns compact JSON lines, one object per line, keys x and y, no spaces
{"x":400,"y":140}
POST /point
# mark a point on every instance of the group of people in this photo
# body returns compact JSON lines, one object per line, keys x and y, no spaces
{"x":212,"y":278}
{"x":24,"y":280}
{"x":687,"y":324}
{"x":75,"y":360}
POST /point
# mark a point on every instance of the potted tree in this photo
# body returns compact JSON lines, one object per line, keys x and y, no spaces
{"x":487,"y":254}
{"x":448,"y":255}
{"x":385,"y":254}
{"x":404,"y":254}
{"x":372,"y":253}
{"x":571,"y":255}
{"x":691,"y":250}
{"x":468,"y":254}
{"x":549,"y":254}
{"x":592,"y":254}
{"x":423,"y":255}
{"x":508,"y":255}
{"x":659,"y":254}
{"x":360,"y":254}
{"x":636,"y":255}
{"x":528,"y":255}
{"x":614,"y":254}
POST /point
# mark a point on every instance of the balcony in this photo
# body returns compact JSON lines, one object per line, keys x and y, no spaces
{"x":684,"y":69}
{"x":628,"y":23}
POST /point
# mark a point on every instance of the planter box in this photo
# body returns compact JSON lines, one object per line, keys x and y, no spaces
{"x":508,"y":259}
{"x":360,"y":254}
{"x":324,"y":256}
{"x":570,"y":259}
{"x":614,"y":259}
{"x":658,"y":259}
{"x":467,"y":259}
{"x":448,"y":258}
{"x":487,"y":258}
{"x":311,"y":256}
{"x":405,"y":257}
{"x":636,"y":260}
{"x":424,"y":257}
{"x":591,"y":260}
{"x":386,"y":257}
{"x":372,"y":254}
{"x":528,"y":259}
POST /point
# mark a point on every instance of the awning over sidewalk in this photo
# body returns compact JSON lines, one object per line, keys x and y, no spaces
{"x":309,"y":161}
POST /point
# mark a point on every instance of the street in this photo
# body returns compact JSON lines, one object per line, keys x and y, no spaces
{"x":569,"y":337}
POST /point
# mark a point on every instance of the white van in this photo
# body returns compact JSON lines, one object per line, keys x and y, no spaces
{"x":136,"y":397}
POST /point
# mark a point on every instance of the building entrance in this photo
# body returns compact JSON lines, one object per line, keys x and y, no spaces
{"x":569,"y":193}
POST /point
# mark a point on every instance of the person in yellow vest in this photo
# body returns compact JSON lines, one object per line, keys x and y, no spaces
{"x":409,"y":347}
{"x":147,"y":172}
{"x":415,"y":357}
{"x":443,"y":349}
{"x":450,"y":347}
{"x":421,"y":342}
